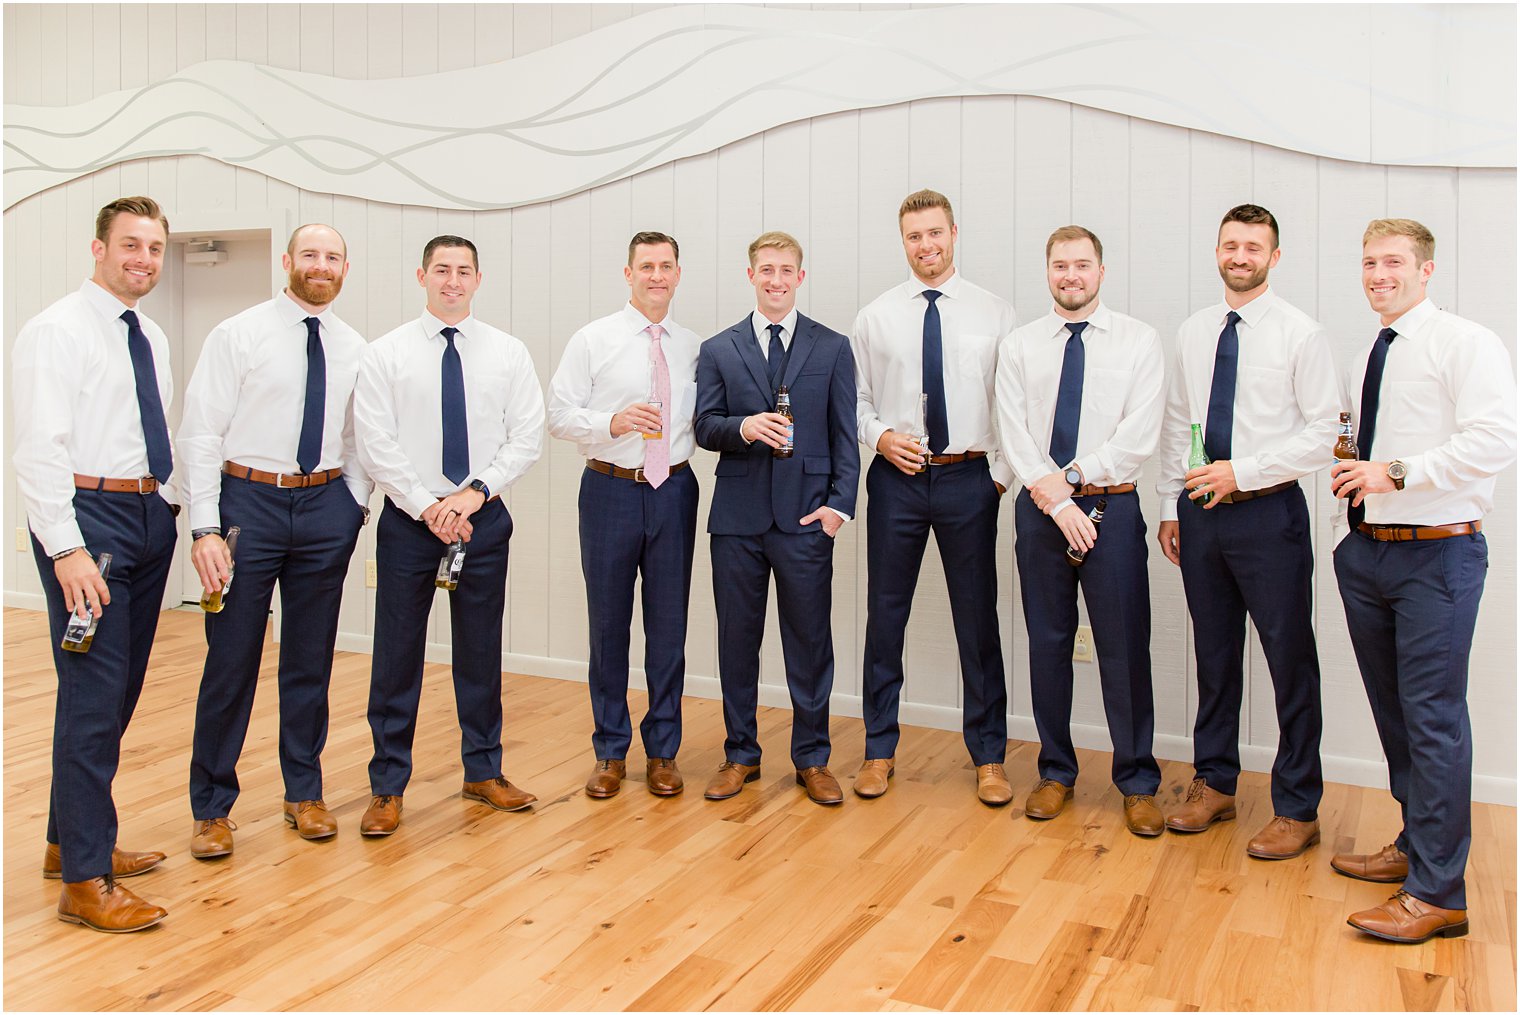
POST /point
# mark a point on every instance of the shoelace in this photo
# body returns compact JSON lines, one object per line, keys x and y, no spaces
{"x":1135,"y":798}
{"x":306,"y":805}
{"x":1045,"y":782}
{"x":1195,"y":791}
{"x":812,"y":770}
{"x":383,"y":801}
{"x":227,"y":823}
{"x":725,"y":766}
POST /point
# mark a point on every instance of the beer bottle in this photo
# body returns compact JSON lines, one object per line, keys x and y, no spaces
{"x":211,"y":602}
{"x":784,"y":408}
{"x":1198,"y":458}
{"x":920,"y":432}
{"x":1345,"y":444}
{"x":80,"y":631}
{"x":1076,"y":557}
{"x":450,"y":566}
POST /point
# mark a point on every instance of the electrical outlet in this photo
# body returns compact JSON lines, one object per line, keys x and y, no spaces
{"x":370,"y":575}
{"x":1082,"y":647}
{"x":22,"y":545}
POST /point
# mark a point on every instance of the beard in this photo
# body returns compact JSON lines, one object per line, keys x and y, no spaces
{"x":1243,"y":285}
{"x":1075,"y":302}
{"x":317,"y":295}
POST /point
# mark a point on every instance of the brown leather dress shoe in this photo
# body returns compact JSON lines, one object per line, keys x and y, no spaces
{"x":123,"y":863}
{"x":606,"y":778}
{"x":1387,"y":865}
{"x":212,"y":838}
{"x":1283,"y":838}
{"x":871,"y":780}
{"x":1406,"y":920}
{"x":498,"y":793}
{"x":382,"y":816}
{"x":1202,"y":808}
{"x":1142,"y":816}
{"x":1047,"y":799}
{"x":729,"y":779}
{"x":992,"y":786}
{"x":101,"y":904}
{"x":663,"y":777}
{"x":310,"y":819}
{"x":821,"y":786}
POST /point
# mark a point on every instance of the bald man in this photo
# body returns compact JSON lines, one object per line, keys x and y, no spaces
{"x":267,"y":444}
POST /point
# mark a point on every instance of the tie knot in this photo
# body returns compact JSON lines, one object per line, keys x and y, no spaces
{"x":447,"y":333}
{"x":931,"y":295}
{"x":313,"y":325}
{"x":655,"y":332}
{"x":1076,"y":328}
{"x":1231,"y":319}
{"x":775,"y":330}
{"x":1387,"y":334}
{"x":129,"y":316}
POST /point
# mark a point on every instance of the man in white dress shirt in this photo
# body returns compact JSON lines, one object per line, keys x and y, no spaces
{"x":1255,"y":373}
{"x":266,"y":437}
{"x":1080,"y":393}
{"x":449,"y":415}
{"x":625,"y":393}
{"x":1434,"y":405}
{"x":932,"y":342}
{"x":91,"y":382}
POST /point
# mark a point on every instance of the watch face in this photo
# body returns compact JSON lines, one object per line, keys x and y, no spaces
{"x":1397,"y":470}
{"x":1073,"y":477}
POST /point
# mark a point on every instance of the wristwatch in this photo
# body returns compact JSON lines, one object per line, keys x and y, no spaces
{"x":64,"y":553}
{"x":1074,"y":477}
{"x":1397,"y":470}
{"x":481,"y":488}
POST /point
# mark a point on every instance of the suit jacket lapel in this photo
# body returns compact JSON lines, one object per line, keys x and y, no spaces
{"x":749,"y":352}
{"x":802,"y":348}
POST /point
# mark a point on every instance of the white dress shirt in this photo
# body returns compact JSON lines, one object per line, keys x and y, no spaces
{"x":888,"y":342}
{"x":398,"y":410}
{"x":247,"y":399}
{"x":1287,"y":398}
{"x":605,"y":368}
{"x":74,"y":397}
{"x":1123,"y":395}
{"x":1446,"y":409}
{"x":762,"y":326}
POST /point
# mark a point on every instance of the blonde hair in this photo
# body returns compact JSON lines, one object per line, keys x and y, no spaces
{"x":1423,"y":239}
{"x":775,"y":241}
{"x":1068,"y":233}
{"x":922,"y":200}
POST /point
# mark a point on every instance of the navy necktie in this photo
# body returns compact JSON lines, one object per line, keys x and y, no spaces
{"x":774,"y":353}
{"x":1068,"y":417}
{"x":1220,"y":424}
{"x":150,"y":408}
{"x":938,"y":421}
{"x":456,"y":426}
{"x":309,"y":447}
{"x":1372,"y":386}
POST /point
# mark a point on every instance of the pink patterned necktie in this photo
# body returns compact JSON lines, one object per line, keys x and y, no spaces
{"x":657,"y":452}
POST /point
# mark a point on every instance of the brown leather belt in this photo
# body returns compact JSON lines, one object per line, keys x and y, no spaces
{"x":143,"y":486}
{"x":637,"y":475}
{"x":284,"y":481}
{"x":1410,"y":533}
{"x":964,"y":456}
{"x":1103,"y":491}
{"x":1244,"y":495}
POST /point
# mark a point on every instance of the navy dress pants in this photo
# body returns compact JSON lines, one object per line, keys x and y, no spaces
{"x":303,"y":539}
{"x":630,"y":530}
{"x":98,"y":689}
{"x":406,"y":558}
{"x":960,"y":504}
{"x":1254,"y":558}
{"x":1115,"y":585}
{"x":803,"y":564}
{"x":1411,"y":608}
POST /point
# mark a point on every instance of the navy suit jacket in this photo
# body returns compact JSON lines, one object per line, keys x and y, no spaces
{"x":755,"y":490}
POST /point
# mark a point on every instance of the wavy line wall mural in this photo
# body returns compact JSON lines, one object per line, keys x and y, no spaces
{"x":680,"y":81}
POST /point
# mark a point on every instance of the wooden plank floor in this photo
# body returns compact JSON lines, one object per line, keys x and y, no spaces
{"x":923,"y":899}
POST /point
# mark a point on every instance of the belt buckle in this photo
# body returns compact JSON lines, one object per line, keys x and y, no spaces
{"x":279,"y":482}
{"x":142,"y":480}
{"x":638,"y":475}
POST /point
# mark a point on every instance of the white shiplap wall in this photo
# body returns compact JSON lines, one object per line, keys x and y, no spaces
{"x":1016,"y":168}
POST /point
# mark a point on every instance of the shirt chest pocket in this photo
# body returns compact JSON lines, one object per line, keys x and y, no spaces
{"x":1413,"y":407}
{"x":1103,"y":394}
{"x":1261,"y":393}
{"x":972,"y":358}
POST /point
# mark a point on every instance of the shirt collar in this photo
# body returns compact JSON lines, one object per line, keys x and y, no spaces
{"x":951,"y":286}
{"x":637,"y":322}
{"x":102,"y":299}
{"x":292,"y":313}
{"x":1414,"y":318}
{"x":761,"y":325}
{"x":432,"y":326}
{"x":1253,"y":312}
{"x":1101,"y":319}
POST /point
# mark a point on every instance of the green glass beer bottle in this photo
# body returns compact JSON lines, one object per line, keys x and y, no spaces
{"x":1198,"y":458}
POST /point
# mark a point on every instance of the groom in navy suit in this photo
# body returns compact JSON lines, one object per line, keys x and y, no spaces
{"x":777,"y":515}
